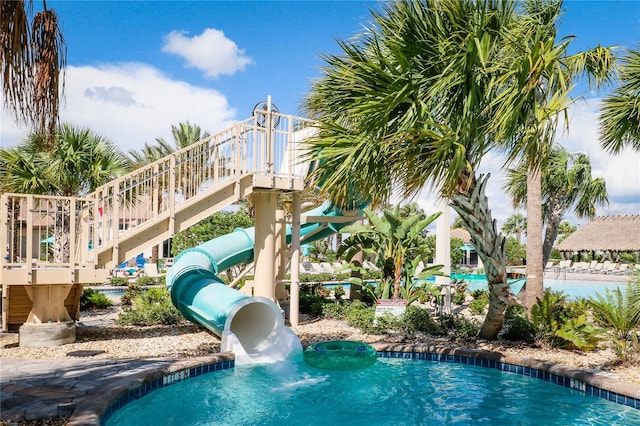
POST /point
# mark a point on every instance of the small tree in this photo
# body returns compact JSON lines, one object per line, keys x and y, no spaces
{"x":394,"y":240}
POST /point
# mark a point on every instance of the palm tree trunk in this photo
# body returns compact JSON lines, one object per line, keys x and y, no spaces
{"x":535,"y":267}
{"x":551,"y":231}
{"x":473,"y":207}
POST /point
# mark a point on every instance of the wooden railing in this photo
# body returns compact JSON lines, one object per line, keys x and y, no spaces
{"x":87,"y":232}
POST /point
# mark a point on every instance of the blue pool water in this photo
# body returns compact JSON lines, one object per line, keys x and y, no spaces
{"x":391,"y":392}
{"x":572,"y":288}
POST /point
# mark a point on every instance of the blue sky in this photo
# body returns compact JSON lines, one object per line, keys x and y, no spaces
{"x":137,"y":67}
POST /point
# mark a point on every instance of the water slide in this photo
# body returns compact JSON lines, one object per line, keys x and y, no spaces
{"x":251,"y":327}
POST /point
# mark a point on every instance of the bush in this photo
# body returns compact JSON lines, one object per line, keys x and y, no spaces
{"x":151,"y":307}
{"x":460,"y":326}
{"x":516,"y":326}
{"x":477,"y":306}
{"x":118,"y":281}
{"x":312,"y":304}
{"x":93,"y":299}
{"x":146,"y":281}
{"x":458,"y":298}
{"x":562,"y":324}
{"x":476,"y":294}
{"x":418,"y":319}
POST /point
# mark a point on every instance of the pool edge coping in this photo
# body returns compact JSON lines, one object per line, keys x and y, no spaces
{"x":91,"y":410}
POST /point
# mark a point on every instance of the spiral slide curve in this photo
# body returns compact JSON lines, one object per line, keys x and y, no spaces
{"x":251,"y":327}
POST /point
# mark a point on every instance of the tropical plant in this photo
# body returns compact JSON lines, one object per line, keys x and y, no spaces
{"x":615,"y":310}
{"x":620,"y":111}
{"x":393,"y":240}
{"x":559,"y":324}
{"x":515,"y":224}
{"x":150,"y":307}
{"x":33,"y":59}
{"x":567,"y":185}
{"x":93,"y":299}
{"x":78,"y":163}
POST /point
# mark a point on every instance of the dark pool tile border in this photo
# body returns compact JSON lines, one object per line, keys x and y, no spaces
{"x":594,"y":383}
{"x":96,"y":409}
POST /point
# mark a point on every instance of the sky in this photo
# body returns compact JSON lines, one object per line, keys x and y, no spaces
{"x":134,"y":68}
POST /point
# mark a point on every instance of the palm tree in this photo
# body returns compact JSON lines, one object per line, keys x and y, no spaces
{"x":567,"y":185}
{"x":32,"y":58}
{"x":405,"y":106}
{"x":184,"y":134}
{"x":542,"y":75}
{"x":515,"y":224}
{"x":80,"y":161}
{"x":620,"y":113}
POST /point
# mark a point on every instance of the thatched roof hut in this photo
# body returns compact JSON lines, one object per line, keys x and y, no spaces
{"x":462,"y":234}
{"x":605,"y":233}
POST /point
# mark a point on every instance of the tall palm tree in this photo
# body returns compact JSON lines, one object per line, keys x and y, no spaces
{"x":80,"y":161}
{"x":567,"y":185}
{"x":515,"y":224}
{"x":620,"y":113}
{"x":405,"y":106}
{"x":33,"y":59}
{"x":184,"y":134}
{"x":542,"y":76}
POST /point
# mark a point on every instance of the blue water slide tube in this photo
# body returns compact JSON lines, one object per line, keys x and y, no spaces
{"x":203,"y":298}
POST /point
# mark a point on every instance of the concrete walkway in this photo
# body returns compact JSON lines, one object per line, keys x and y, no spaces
{"x":41,"y":389}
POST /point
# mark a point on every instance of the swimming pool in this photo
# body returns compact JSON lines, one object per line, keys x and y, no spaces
{"x":572,"y":288}
{"x":391,"y":392}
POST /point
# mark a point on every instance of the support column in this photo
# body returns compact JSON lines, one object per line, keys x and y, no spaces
{"x":49,"y":322}
{"x":443,"y":250}
{"x":281,"y":256}
{"x":294,"y":302}
{"x":264,"y":251}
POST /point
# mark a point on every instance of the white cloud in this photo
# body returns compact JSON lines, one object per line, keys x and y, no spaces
{"x":210,"y":52}
{"x":131,"y":104}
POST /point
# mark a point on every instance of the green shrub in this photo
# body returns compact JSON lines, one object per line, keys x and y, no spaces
{"x":150,"y":307}
{"x":133,"y":290}
{"x":311,"y":304}
{"x":460,"y":326}
{"x":562,"y":324}
{"x":477,"y":306}
{"x":93,"y":299}
{"x":333,"y":310}
{"x":146,"y":281}
{"x":458,"y":298}
{"x":419,"y":319}
{"x":516,"y":325}
{"x":476,"y":294}
{"x":617,"y":311}
{"x":118,"y":281}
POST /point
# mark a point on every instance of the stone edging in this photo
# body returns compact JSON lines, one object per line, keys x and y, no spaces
{"x":94,"y":409}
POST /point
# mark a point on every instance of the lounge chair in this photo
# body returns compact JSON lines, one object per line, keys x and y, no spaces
{"x":151,"y":270}
{"x":591,"y":266}
{"x":610,"y":268}
{"x":549,"y":266}
{"x":597,"y":269}
{"x":623,"y":269}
